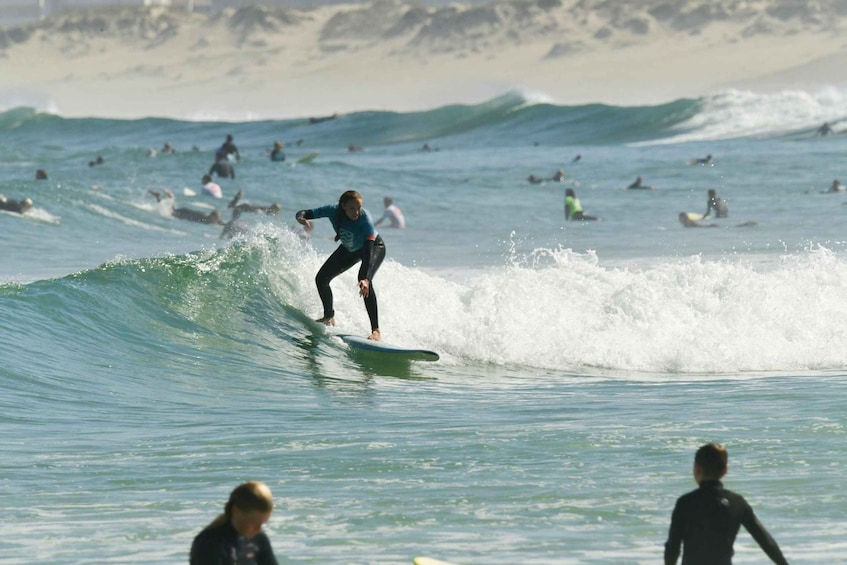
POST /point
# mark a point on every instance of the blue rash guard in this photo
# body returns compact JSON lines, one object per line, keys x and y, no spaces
{"x":351,"y":234}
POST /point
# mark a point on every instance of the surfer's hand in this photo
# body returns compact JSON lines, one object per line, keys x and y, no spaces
{"x":305,"y":222}
{"x":364,"y":288}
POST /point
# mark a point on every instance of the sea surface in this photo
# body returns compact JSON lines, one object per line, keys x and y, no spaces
{"x":149,"y":365}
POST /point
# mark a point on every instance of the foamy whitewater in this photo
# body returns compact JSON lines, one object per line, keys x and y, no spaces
{"x":149,"y":365}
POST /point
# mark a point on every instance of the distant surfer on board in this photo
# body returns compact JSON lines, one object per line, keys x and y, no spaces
{"x":213,"y":217}
{"x":356,"y":232}
{"x":825,"y":130}
{"x":707,"y":160}
{"x":638,"y":184}
{"x":239,"y":208}
{"x":17,"y":206}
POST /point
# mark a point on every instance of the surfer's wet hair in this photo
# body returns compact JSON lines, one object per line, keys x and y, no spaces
{"x":712,"y":459}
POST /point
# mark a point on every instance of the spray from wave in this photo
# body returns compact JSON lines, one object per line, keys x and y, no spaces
{"x":736,"y":113}
{"x":554,"y":310}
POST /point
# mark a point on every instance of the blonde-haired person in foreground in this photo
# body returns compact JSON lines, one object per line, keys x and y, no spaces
{"x":236,"y":537}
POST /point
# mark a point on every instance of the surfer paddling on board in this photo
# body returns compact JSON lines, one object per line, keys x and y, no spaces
{"x":17,"y":206}
{"x":638,"y":184}
{"x":355,"y":230}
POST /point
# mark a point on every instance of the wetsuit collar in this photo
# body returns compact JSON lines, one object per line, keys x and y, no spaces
{"x":712,"y":483}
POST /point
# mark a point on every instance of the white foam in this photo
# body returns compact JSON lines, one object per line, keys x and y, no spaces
{"x":563,"y":310}
{"x":40,"y":102}
{"x":739,"y":113}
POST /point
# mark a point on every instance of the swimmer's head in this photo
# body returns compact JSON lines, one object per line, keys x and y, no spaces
{"x":388,"y":201}
{"x":26,"y":204}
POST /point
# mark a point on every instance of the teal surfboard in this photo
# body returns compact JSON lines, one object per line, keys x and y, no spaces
{"x":361,"y":344}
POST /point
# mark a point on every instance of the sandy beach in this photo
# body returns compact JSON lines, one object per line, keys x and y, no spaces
{"x":280,"y":63}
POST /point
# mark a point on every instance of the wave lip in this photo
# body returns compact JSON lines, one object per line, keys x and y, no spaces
{"x":743,"y":113}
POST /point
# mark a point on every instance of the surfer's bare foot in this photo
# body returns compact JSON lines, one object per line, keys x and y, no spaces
{"x":375,"y":335}
{"x":328,"y":321}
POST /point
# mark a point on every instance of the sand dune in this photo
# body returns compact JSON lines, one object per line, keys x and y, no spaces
{"x":272,"y":62}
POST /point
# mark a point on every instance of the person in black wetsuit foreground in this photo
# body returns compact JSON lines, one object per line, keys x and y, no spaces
{"x":706,"y":520}
{"x":236,"y":537}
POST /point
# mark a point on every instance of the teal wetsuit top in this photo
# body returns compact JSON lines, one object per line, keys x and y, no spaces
{"x":352,"y":234}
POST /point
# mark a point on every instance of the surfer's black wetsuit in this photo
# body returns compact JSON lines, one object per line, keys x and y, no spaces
{"x":705,"y":521}
{"x":222,"y":168}
{"x":12,"y":205}
{"x":222,"y":545}
{"x":351,"y":234}
{"x":371,"y":255}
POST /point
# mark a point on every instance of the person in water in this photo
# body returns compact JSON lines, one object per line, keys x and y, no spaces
{"x":240,"y":208}
{"x":213,"y":217}
{"x":825,"y":130}
{"x":836,"y":186}
{"x":97,"y":161}
{"x":559,"y":176}
{"x":222,"y":167}
{"x":573,"y":207}
{"x":705,"y":522}
{"x":236,"y":536}
{"x":638,"y":184}
{"x":707,"y":160}
{"x":393,"y":214}
{"x":167,"y":149}
{"x":716,"y":204}
{"x":213,"y":189}
{"x":277,"y":153}
{"x":359,"y":242}
{"x":228,"y":148}
{"x":17,"y":206}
